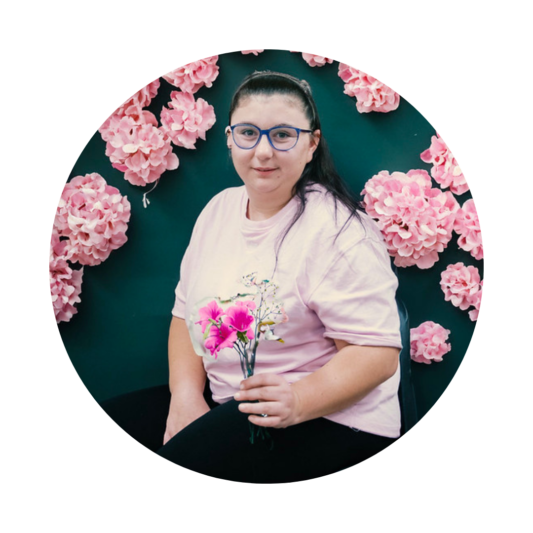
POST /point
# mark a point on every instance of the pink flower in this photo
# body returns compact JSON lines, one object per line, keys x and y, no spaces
{"x":220,"y":338}
{"x":460,"y":283}
{"x":415,"y":219}
{"x":65,"y":283}
{"x":316,"y":60}
{"x":445,"y":171}
{"x":94,"y":216}
{"x":210,"y":312}
{"x":188,"y":119}
{"x":140,"y":150}
{"x":238,"y":318}
{"x":371,"y":94}
{"x":254,"y":52}
{"x":428,"y":342}
{"x":467,"y":226}
{"x":194,"y":75}
{"x":132,"y":107}
{"x":475,"y":300}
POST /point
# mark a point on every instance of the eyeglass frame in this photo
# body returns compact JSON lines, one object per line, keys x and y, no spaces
{"x":267,"y":133}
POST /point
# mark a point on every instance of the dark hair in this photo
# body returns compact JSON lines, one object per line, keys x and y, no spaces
{"x":321,"y":169}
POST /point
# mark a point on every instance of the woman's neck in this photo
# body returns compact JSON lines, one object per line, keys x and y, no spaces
{"x":264,"y":209}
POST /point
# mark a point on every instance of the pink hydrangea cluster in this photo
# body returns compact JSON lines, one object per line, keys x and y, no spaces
{"x":254,"y":52}
{"x":141,"y":150}
{"x":467,"y":226}
{"x":428,"y":343}
{"x":476,"y":303}
{"x":315,"y":60}
{"x":94,"y":217}
{"x":187,"y":120}
{"x":191,"y":77}
{"x":65,"y":283}
{"x":445,"y":170}
{"x":415,"y":219}
{"x":460,"y":285}
{"x":133,"y":107}
{"x":135,"y":143}
{"x":371,"y":94}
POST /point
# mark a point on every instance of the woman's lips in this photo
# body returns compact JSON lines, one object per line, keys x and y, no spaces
{"x":264,"y":170}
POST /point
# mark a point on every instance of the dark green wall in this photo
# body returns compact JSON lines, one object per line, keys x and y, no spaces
{"x":118,"y":339}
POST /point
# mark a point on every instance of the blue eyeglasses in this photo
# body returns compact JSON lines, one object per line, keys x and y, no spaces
{"x":282,"y":138}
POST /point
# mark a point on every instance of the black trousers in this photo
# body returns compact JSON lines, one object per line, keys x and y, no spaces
{"x":218,"y":443}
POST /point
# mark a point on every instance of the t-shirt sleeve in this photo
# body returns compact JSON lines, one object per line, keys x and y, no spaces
{"x":186,"y":268}
{"x":355,"y":299}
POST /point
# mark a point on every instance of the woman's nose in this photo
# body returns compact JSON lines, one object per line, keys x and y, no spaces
{"x":263,"y":148}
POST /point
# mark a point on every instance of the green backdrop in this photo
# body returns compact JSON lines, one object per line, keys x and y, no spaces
{"x":118,"y":339}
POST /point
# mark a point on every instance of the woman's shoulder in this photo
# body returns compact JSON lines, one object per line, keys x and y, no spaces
{"x":227,"y":199}
{"x":229,"y":194}
{"x":335,"y":222}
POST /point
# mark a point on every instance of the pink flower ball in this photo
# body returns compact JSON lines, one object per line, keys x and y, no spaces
{"x":415,"y":219}
{"x":188,"y":120}
{"x":316,"y":61}
{"x":133,"y":108}
{"x":475,"y":300}
{"x":254,"y":52}
{"x":445,"y":171}
{"x":428,"y":343}
{"x":142,"y":151}
{"x":370,"y":93}
{"x":65,"y":283}
{"x":460,"y":283}
{"x":193,"y":76}
{"x":94,"y":216}
{"x":467,"y":226}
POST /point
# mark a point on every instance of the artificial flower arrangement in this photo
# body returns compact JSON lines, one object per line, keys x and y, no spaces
{"x":462,"y":286}
{"x":428,"y":342}
{"x":445,"y":170}
{"x":65,"y":283}
{"x":254,"y":52}
{"x":187,"y":119}
{"x":91,"y":221}
{"x":415,"y":218}
{"x":241,"y":323}
{"x":138,"y":146}
{"x":315,"y":61}
{"x":193,"y":76}
{"x":467,"y":226}
{"x":370,"y":93}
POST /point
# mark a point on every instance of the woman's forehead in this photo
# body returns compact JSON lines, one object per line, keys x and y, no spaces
{"x":275,"y":107}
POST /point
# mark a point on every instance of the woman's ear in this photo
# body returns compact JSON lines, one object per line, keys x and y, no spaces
{"x":313,"y":145}
{"x":227,"y":131}
{"x":316,"y":135}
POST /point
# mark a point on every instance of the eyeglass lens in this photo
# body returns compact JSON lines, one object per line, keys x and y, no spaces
{"x":282,"y":138}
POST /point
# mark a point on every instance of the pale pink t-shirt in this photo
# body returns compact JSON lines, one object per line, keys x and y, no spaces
{"x":330,"y":289}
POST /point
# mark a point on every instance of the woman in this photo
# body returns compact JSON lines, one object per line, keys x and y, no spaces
{"x":325,"y":387}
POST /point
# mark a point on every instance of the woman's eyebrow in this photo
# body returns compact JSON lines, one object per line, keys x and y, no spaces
{"x":282,"y":125}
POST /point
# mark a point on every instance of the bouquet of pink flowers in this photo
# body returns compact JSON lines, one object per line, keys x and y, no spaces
{"x":242,"y":322}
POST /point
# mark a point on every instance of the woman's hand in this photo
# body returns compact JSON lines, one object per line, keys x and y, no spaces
{"x":277,"y":399}
{"x":181,"y":414}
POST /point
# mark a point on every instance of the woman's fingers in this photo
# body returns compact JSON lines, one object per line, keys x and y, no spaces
{"x":261,"y":408}
{"x":268,"y":393}
{"x":268,"y":422}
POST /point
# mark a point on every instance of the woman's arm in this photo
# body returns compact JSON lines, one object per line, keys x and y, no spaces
{"x":346,"y":379}
{"x":186,"y":370}
{"x":186,"y":380}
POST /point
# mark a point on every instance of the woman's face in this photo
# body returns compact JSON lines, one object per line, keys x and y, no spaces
{"x":266,"y":172}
